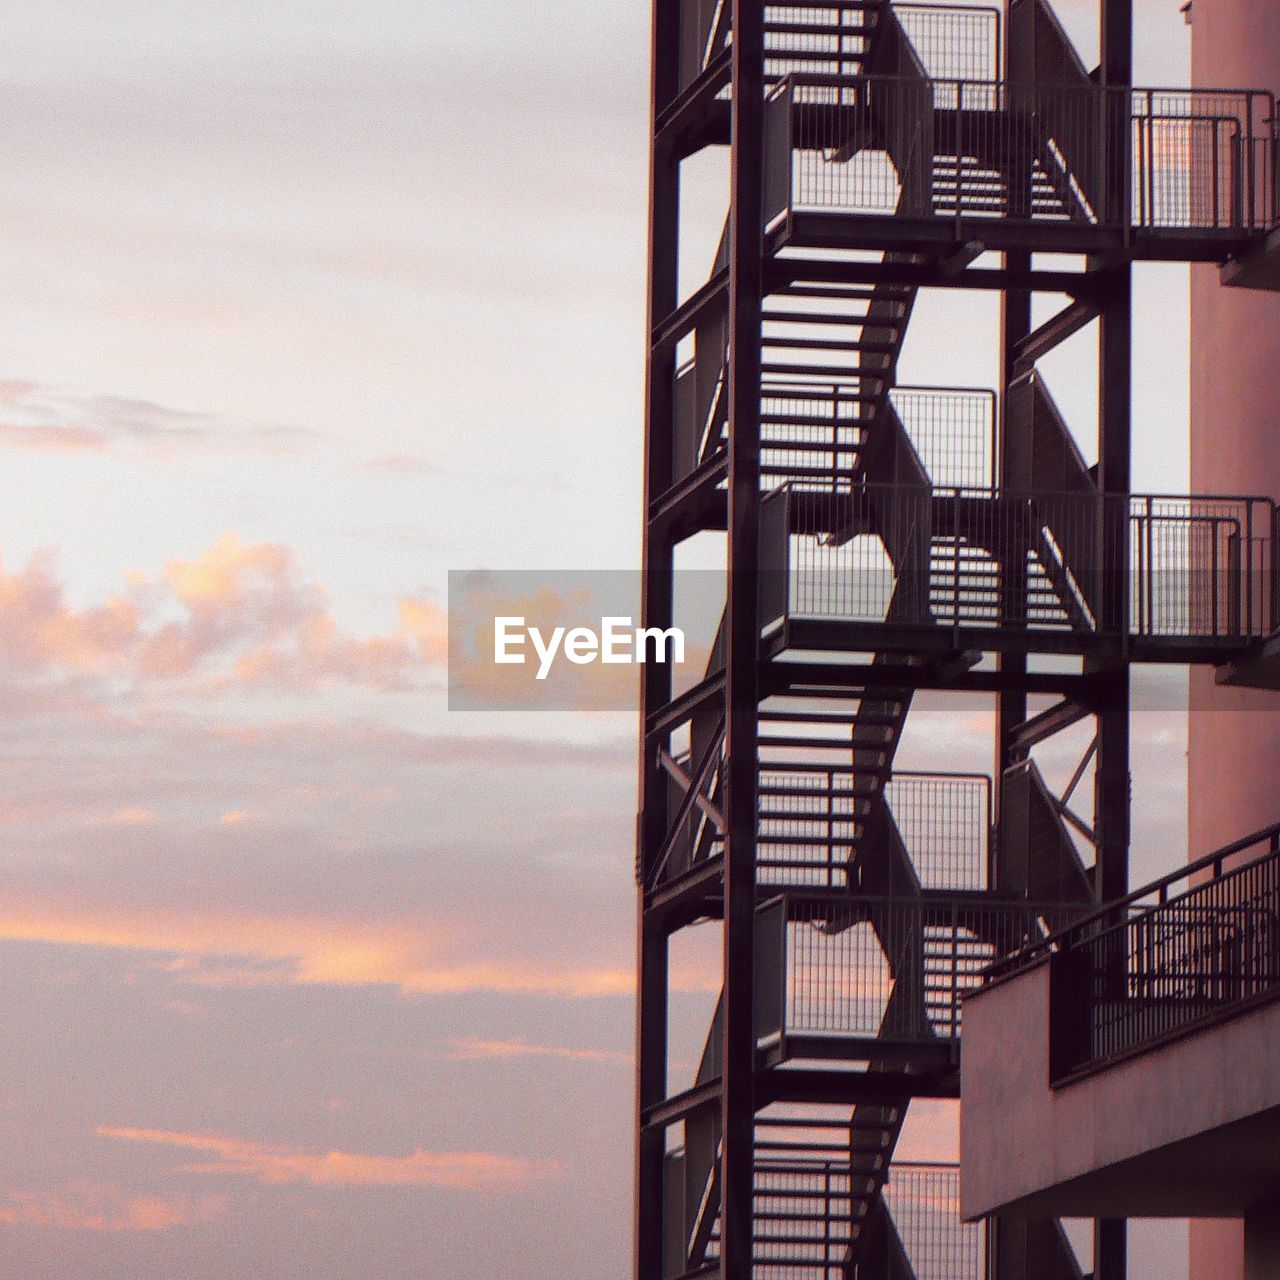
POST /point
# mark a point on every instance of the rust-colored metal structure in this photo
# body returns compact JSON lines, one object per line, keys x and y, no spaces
{"x":881,"y":541}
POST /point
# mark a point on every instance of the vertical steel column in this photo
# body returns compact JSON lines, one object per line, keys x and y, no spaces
{"x":656,"y":609}
{"x":1115,"y":469}
{"x":746,"y":285}
{"x":1015,"y":325}
{"x":1115,"y":474}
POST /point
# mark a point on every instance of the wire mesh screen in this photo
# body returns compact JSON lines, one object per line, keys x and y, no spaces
{"x":881,"y":967}
{"x":953,"y":431}
{"x":1201,"y":567}
{"x":953,"y":41}
{"x":1201,"y":160}
{"x":972,"y":149}
{"x":944,"y":821}
{"x":1160,"y":568}
{"x":924,"y":1200}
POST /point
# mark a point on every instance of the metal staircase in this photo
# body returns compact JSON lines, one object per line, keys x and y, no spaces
{"x":884,"y":540}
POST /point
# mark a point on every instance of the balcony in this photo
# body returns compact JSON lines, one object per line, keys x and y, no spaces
{"x":826,"y":1210}
{"x":1145,"y":1063}
{"x":919,"y":164}
{"x":880,"y":979}
{"x":880,"y":568}
{"x":816,"y":818}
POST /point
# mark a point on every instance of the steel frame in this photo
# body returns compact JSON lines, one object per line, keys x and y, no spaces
{"x":700,"y":819}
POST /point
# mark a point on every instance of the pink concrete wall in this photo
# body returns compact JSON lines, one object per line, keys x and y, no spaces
{"x":1155,"y":1135}
{"x":1234,"y":757}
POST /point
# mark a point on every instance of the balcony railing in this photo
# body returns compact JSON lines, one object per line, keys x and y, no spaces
{"x":1194,"y":948}
{"x":814,"y":1207}
{"x":924,"y":1200}
{"x":984,"y":150}
{"x":1193,"y":570}
{"x":813,"y":819}
{"x":837,"y":968}
{"x":831,"y":38}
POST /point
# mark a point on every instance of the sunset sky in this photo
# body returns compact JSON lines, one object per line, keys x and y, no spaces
{"x":303,"y":304}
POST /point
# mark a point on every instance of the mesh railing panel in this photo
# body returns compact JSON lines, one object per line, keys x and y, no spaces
{"x":953,"y":431}
{"x":1195,"y":569}
{"x":970,"y":149}
{"x":924,"y":1200}
{"x":896,"y":968}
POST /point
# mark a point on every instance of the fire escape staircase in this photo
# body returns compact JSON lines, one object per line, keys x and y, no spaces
{"x":836,"y":458}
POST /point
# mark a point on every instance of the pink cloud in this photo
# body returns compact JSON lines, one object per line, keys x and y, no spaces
{"x":52,"y":438}
{"x":86,"y":1206}
{"x":409,"y":955}
{"x":56,"y":420}
{"x":238,"y":817}
{"x":273,"y":1165}
{"x":245,"y":616}
{"x":467,"y":1049}
{"x":133,"y":817}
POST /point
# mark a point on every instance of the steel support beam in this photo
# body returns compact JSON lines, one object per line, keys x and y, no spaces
{"x":1115,"y":371}
{"x":742,"y":640}
{"x":656,"y":610}
{"x":1015,"y":325}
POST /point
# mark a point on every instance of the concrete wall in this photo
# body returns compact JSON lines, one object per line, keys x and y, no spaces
{"x":1234,"y":754}
{"x":1235,"y":447}
{"x":1188,"y":1130}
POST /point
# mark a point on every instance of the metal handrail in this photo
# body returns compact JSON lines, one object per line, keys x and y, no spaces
{"x":1162,"y":567}
{"x":1200,"y":159}
{"x":1104,"y":919}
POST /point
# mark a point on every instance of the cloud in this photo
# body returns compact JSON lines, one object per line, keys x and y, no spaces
{"x":131,"y":817}
{"x":275,"y":1166}
{"x":210,"y":949}
{"x":237,"y":614}
{"x":46,"y":419}
{"x":87,"y":1206}
{"x":52,"y":438}
{"x":237,"y":817}
{"x":468,"y":1049}
{"x":359,"y":854}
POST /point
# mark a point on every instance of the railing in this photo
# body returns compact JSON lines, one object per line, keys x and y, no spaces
{"x":832,"y":966}
{"x":832,"y":37}
{"x":1200,"y":570}
{"x":807,"y":1208}
{"x":953,"y":429}
{"x":1195,"y":947}
{"x":924,"y":1200}
{"x":972,"y":149}
{"x":813,"y":819}
{"x":815,"y":429}
{"x":814,"y":1203}
{"x":944,"y":820}
{"x":961,"y":41}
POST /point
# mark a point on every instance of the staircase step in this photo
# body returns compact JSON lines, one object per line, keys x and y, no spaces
{"x":814,"y":55}
{"x":826,"y":371}
{"x":835,"y":317}
{"x":819,"y":717}
{"x":854,"y":346}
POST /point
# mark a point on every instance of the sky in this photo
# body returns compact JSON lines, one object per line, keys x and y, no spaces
{"x":303,"y":305}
